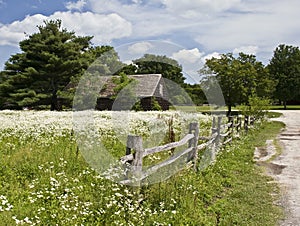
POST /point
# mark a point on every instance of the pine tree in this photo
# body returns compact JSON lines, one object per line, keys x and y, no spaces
{"x":49,"y":60}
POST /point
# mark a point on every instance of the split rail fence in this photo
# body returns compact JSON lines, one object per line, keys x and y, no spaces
{"x":221,"y":134}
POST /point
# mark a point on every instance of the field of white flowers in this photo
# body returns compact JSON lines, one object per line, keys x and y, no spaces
{"x":44,"y":180}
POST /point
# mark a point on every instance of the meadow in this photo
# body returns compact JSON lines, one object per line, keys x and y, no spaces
{"x":45,"y":179}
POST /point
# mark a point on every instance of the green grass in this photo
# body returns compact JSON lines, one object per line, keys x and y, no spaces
{"x":51,"y":185}
{"x":271,"y":114}
{"x":207,"y":109}
{"x":281,"y":107}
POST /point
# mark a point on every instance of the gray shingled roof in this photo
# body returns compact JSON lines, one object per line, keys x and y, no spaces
{"x":145,"y":87}
{"x":147,"y":84}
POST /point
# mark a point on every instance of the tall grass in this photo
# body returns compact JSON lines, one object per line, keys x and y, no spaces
{"x":45,"y":181}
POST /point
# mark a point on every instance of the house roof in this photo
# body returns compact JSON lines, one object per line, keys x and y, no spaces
{"x":145,"y":87}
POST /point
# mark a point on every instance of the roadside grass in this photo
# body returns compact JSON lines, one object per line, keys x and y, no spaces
{"x":271,"y":114}
{"x":234,"y":191}
{"x":51,"y":184}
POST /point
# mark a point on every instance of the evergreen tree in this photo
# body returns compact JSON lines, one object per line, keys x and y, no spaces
{"x":49,"y":60}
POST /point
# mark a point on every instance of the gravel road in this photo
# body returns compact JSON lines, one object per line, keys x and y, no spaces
{"x":289,"y":177}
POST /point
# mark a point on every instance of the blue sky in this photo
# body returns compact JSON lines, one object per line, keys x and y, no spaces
{"x":189,"y":31}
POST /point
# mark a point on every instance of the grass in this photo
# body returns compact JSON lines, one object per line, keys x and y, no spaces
{"x":208,"y":109}
{"x":50,"y":184}
{"x":271,"y":114}
{"x":281,"y":107}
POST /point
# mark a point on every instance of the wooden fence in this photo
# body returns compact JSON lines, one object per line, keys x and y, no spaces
{"x":221,"y":134}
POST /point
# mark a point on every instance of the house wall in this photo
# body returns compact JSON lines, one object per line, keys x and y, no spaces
{"x":104,"y":103}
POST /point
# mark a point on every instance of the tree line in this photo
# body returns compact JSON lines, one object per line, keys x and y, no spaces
{"x":52,"y":61}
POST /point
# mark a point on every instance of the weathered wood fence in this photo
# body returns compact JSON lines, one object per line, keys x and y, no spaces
{"x":221,"y":134}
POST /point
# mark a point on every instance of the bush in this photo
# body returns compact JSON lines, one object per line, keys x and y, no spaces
{"x":257,"y":107}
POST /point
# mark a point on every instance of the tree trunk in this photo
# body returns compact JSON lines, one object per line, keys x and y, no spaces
{"x":55,"y":106}
{"x":284,"y":104}
{"x":229,"y":110}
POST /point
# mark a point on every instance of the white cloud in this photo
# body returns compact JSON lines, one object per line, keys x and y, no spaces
{"x":191,"y":62}
{"x":188,"y":56}
{"x":210,"y":56}
{"x":76,"y":5}
{"x":140,"y":48}
{"x":192,"y":8}
{"x":246,"y":49}
{"x":104,"y":28}
{"x":251,"y":26}
{"x":13,"y":33}
{"x":262,"y":23}
{"x":147,"y":20}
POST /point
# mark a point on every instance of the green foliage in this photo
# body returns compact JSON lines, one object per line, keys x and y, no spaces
{"x":238,"y":77}
{"x":130,"y":69}
{"x":196,"y":93}
{"x":155,"y":64}
{"x":121,"y":81}
{"x":104,"y":61}
{"x":155,"y":105}
{"x":137,"y":106}
{"x":257,"y":107}
{"x":285,"y":69}
{"x":49,"y":59}
{"x":124,"y":92}
{"x":47,"y":71}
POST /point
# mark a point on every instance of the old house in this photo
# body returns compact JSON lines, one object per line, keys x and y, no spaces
{"x":148,"y":88}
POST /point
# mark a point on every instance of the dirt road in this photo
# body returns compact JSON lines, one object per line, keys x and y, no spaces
{"x":289,"y":177}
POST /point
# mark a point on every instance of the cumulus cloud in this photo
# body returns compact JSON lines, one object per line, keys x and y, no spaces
{"x":191,"y":61}
{"x":147,"y":19}
{"x":188,"y":56}
{"x":140,"y":47}
{"x":13,"y":33}
{"x":76,"y":5}
{"x":254,"y":27}
{"x":246,"y":49}
{"x":210,"y":56}
{"x":104,"y":28}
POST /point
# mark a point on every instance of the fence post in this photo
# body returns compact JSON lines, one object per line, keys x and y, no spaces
{"x":231,"y":126}
{"x":136,"y":143}
{"x":246,"y":123}
{"x":218,"y":130}
{"x":194,"y":129}
{"x":213,"y":127}
{"x":252,"y":119}
{"x":239,"y":124}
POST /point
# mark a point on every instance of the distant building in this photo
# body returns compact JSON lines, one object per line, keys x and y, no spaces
{"x":148,"y":88}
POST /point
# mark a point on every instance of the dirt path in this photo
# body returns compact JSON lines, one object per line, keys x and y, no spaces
{"x":289,"y":177}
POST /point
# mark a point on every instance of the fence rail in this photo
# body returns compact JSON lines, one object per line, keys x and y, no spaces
{"x":226,"y":132}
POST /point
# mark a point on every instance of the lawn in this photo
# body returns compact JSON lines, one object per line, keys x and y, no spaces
{"x":281,"y":107}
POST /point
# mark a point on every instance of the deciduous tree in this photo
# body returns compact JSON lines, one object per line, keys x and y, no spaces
{"x":156,"y":64}
{"x":239,"y":77}
{"x":285,"y":68}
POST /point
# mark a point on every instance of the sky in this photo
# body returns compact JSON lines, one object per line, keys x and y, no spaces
{"x":189,"y":31}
